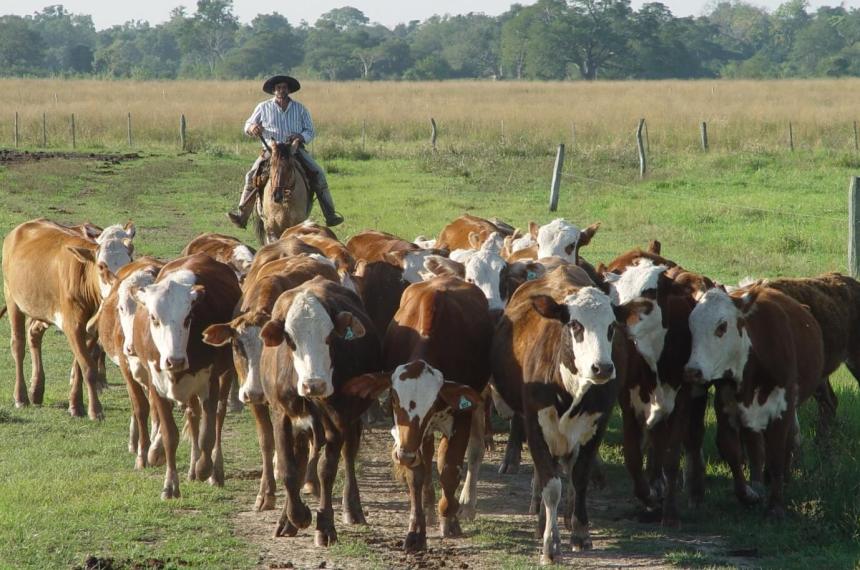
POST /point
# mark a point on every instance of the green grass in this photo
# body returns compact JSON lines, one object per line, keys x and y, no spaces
{"x":67,"y":488}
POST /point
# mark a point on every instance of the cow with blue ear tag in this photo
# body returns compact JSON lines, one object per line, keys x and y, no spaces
{"x":318,"y":338}
{"x":437,"y":348}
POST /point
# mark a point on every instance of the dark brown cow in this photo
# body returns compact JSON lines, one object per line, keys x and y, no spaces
{"x":441,"y":331}
{"x":55,"y":275}
{"x":243,"y":333}
{"x":318,"y":338}
{"x":380,"y":286}
{"x":556,"y":361}
{"x":223,"y":248}
{"x":469,"y":232}
{"x":765,"y":351}
{"x":189,"y":294}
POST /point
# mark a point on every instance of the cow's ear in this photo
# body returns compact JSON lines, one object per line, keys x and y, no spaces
{"x":83,"y":254}
{"x":138,"y":294}
{"x":533,"y":229}
{"x":588,"y":233}
{"x":394,"y":258}
{"x":438,"y":265}
{"x":90,"y":231}
{"x":272,"y":333}
{"x":218,"y":335}
{"x":745,"y":302}
{"x":106,"y":274}
{"x":197,"y":293}
{"x":474,"y":240}
{"x":367,"y":386}
{"x":622,"y":313}
{"x":548,"y":308}
{"x":459,"y":397}
{"x":128,"y":245}
{"x":654,"y":247}
{"x":130,"y":230}
{"x":347,"y":326}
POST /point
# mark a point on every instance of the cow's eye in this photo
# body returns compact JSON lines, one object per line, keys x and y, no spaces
{"x":154,"y":320}
{"x":187,"y":321}
{"x":577,"y":329}
{"x":721,"y":329}
{"x":611,"y":332}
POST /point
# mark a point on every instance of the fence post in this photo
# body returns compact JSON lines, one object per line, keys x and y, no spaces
{"x":44,"y":130}
{"x":790,"y":137}
{"x":854,"y":227}
{"x":704,"y":131}
{"x":182,"y":131}
{"x":556,"y":178}
{"x":642,"y":159}
{"x":16,"y":129}
{"x":74,"y":141}
{"x":433,"y":133}
{"x":128,"y":124}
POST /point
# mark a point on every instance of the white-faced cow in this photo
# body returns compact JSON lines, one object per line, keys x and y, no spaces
{"x":189,"y":294}
{"x":223,"y":248}
{"x":556,"y":358}
{"x":318,"y":338}
{"x":372,"y":245}
{"x":438,"y":348}
{"x":465,"y":231}
{"x":765,"y":352}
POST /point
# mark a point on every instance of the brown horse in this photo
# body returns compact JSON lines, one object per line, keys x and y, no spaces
{"x":286,"y":197}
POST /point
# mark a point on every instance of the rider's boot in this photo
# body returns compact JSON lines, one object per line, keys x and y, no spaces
{"x":239,"y":218}
{"x":332,"y":218}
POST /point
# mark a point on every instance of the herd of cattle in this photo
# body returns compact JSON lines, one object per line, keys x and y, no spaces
{"x":318,"y":332}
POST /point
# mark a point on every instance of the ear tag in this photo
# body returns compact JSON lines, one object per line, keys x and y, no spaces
{"x":465,"y":404}
{"x":348,"y":335}
{"x":531,"y":275}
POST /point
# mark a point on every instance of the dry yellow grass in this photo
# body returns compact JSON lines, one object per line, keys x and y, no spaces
{"x":740,"y":114}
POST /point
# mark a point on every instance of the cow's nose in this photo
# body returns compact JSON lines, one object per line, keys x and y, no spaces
{"x":406,"y":458}
{"x":129,"y":351}
{"x":174,"y":363}
{"x":314,"y":388}
{"x":602,"y":370}
{"x":693,"y":374}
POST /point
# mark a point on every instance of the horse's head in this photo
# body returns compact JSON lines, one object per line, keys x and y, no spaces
{"x":285,"y":198}
{"x":282,"y":169}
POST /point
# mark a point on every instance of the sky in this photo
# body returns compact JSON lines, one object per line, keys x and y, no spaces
{"x":106,"y":13}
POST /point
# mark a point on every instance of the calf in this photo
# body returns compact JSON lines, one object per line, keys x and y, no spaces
{"x":54,"y":275}
{"x":285,"y":247}
{"x":337,"y":253}
{"x":243,"y":333}
{"x":441,"y":332}
{"x":765,"y":351}
{"x":555,"y":359}
{"x":308,"y":227}
{"x":318,"y":338}
{"x":469,"y":231}
{"x":372,"y":245}
{"x":226,"y":249}
{"x":189,"y":294}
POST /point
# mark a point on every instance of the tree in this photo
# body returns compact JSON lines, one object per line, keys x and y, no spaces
{"x":206,"y":37}
{"x":600,"y":33}
{"x":69,"y":39}
{"x":267,"y":47}
{"x":345,"y":18}
{"x":21,"y":48}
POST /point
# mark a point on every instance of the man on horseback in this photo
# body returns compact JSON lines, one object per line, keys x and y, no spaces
{"x":285,"y":120}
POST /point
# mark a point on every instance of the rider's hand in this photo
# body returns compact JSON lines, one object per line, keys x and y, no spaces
{"x":256,"y":130}
{"x":294,"y":138}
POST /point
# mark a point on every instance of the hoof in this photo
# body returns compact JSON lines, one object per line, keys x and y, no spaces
{"x":356,"y":517}
{"x":215,"y":481}
{"x":76,"y":412}
{"x":325,"y":538}
{"x":204,"y":468}
{"x":415,"y":542}
{"x":580,"y":543}
{"x":509,"y":468}
{"x":140,"y":463}
{"x":449,"y":527}
{"x":467,"y":513}
{"x":96,"y":414}
{"x":170,"y":493}
{"x":551,"y":554}
{"x":310,"y":488}
{"x":301,"y":516}
{"x":22,"y":403}
{"x":264,"y":503}
{"x":155,"y":457}
{"x":285,"y":528}
{"x":37,"y":397}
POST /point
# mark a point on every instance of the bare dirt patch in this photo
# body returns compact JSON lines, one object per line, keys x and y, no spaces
{"x":501,"y":536}
{"x":10,"y":156}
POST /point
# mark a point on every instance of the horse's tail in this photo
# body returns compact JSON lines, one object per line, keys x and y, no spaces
{"x":259,"y":228}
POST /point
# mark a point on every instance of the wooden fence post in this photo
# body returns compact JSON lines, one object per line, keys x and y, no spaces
{"x":704,"y":131}
{"x":642,"y":159}
{"x":44,"y":130}
{"x":128,"y":125}
{"x":74,"y":141}
{"x":556,"y":178}
{"x":790,"y":137}
{"x":433,"y":133}
{"x":854,"y":227}
{"x":182,"y":131}
{"x":16,"y":129}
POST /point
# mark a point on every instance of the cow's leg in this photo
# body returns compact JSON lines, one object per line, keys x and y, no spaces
{"x":416,"y":537}
{"x":133,"y":433}
{"x":633,"y":459}
{"x":88,"y":367}
{"x":266,"y":497}
{"x":155,"y":457}
{"x":325,"y":532}
{"x":694,"y":472}
{"x":513,"y":448}
{"x":312,"y":480}
{"x":192,"y":429}
{"x":667,"y":442}
{"x":35,"y":332}
{"x":76,"y":394}
{"x":450,"y":464}
{"x":98,"y":355}
{"x":17,"y":321}
{"x":729,"y":446}
{"x":139,"y":419}
{"x":225,"y":381}
{"x":778,"y":447}
{"x":352,"y":511}
{"x":753,"y":446}
{"x":548,"y":479}
{"x":235,"y":403}
{"x":827,"y":404}
{"x":428,"y":447}
{"x":170,"y":436}
{"x":293,"y":462}
{"x":580,"y":539}
{"x":474,"y":457}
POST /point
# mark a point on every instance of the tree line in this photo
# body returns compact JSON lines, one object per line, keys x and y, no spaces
{"x":549,"y":40}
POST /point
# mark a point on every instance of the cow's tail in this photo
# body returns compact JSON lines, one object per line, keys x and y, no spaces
{"x":259,"y":228}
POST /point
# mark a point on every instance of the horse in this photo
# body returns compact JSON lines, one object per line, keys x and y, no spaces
{"x":286,"y":197}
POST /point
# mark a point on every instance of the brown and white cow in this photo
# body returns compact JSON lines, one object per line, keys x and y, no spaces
{"x":438,"y":347}
{"x":189,"y":294}
{"x":285,"y":247}
{"x":243,"y":333}
{"x":556,"y":360}
{"x":308,"y":227}
{"x":469,"y":231}
{"x":765,"y":351}
{"x":319,"y":337}
{"x":56,"y":276}
{"x":226,"y":249}
{"x":373,"y":245}
{"x":337,"y":253}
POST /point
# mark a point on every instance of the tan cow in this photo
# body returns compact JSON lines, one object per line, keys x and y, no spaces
{"x":226,"y":249}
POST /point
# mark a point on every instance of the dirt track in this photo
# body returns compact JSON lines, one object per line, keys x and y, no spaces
{"x":9,"y":156}
{"x":502,"y":509}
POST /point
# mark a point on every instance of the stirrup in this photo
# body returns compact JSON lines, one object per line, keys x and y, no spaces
{"x":334,"y":220}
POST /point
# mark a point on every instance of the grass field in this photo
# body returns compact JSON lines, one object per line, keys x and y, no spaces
{"x":67,"y":489}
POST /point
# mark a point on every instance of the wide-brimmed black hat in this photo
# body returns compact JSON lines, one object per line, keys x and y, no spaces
{"x":292,"y":83}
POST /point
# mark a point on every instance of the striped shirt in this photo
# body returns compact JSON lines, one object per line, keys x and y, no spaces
{"x":279,"y":124}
